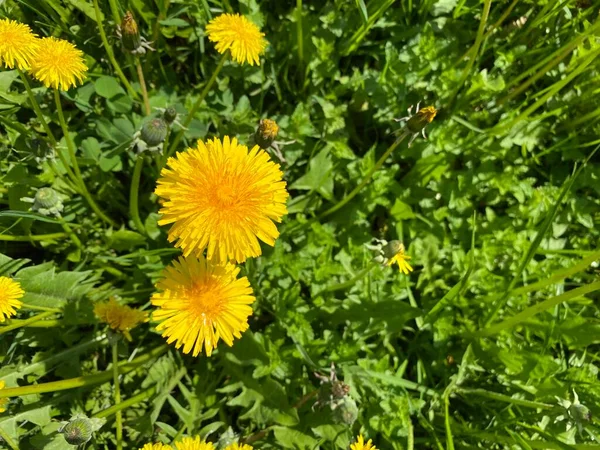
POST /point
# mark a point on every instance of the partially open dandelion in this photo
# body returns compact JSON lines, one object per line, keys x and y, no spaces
{"x":200,"y":303}
{"x":156,"y":446}
{"x":3,"y":401}
{"x":416,"y":123}
{"x":119,"y":317}
{"x":58,"y":64}
{"x":194,"y":443}
{"x":10,"y":293}
{"x":223,"y":198}
{"x":236,"y":33}
{"x":395,"y":253}
{"x":18,"y":45}
{"x":361,"y":445}
{"x":238,"y":446}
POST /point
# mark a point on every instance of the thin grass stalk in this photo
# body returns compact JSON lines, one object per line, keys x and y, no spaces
{"x":134,"y":194}
{"x":23,"y":323}
{"x":33,"y":237}
{"x":140,"y":72}
{"x":117,"y":393}
{"x":40,"y":308}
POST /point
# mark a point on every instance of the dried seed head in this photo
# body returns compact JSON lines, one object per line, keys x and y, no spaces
{"x":130,"y":34}
{"x":47,"y":202}
{"x":266,"y":133}
{"x":154,"y":132}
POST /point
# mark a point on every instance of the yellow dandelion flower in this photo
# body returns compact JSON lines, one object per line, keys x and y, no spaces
{"x":10,"y":293}
{"x":200,"y":303}
{"x":119,"y":317}
{"x":3,"y":401}
{"x":157,"y":446}
{"x":361,"y":445}
{"x":195,"y":443}
{"x":395,"y":254}
{"x":237,"y":446}
{"x":18,"y":45}
{"x":58,"y":64}
{"x":223,"y":198}
{"x":237,"y":34}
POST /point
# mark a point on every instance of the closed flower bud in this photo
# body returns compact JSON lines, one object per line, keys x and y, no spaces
{"x":154,"y":132}
{"x":422,"y":118}
{"x":47,"y":202}
{"x":130,"y":34}
{"x":80,"y":429}
{"x":345,"y":412}
{"x":266,"y":133}
{"x":170,"y":115}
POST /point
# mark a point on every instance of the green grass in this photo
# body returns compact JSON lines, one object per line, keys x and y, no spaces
{"x":482,"y":346}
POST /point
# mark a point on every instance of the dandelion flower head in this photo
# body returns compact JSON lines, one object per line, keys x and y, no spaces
{"x":397,"y":255}
{"x":237,"y":446}
{"x":156,"y":446}
{"x":200,"y":302}
{"x":3,"y":401}
{"x":236,"y":33}
{"x":58,"y":64}
{"x":10,"y":293}
{"x":18,"y":45}
{"x":119,"y":317}
{"x":361,"y":445}
{"x":223,"y":198}
{"x":194,"y":443}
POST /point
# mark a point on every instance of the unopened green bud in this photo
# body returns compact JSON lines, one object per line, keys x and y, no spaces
{"x":266,"y":133}
{"x":392,"y":248}
{"x":346,"y":411}
{"x":170,"y":115}
{"x":419,"y":120}
{"x":130,"y":34}
{"x":78,"y":431}
{"x":47,"y":202}
{"x":154,"y":132}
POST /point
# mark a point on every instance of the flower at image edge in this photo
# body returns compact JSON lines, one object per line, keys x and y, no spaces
{"x":18,"y":45}
{"x":156,"y":446}
{"x":3,"y":401}
{"x":222,"y":198}
{"x":236,"y":33}
{"x":119,"y":317}
{"x":237,"y":446}
{"x":200,"y":303}
{"x":58,"y":64}
{"x":194,"y":443}
{"x":361,"y":445}
{"x":10,"y":293}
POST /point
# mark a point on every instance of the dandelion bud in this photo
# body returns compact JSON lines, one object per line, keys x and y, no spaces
{"x":154,"y":132}
{"x":266,"y":133}
{"x":170,"y":115}
{"x":346,"y":412}
{"x":421,"y":119}
{"x":130,"y":34}
{"x":78,"y":431}
{"x":47,"y":202}
{"x":392,"y":248}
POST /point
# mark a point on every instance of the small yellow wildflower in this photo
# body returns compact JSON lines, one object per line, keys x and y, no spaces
{"x":10,"y":293}
{"x":236,"y":33}
{"x":3,"y":401}
{"x":237,"y":446}
{"x":119,"y":317}
{"x":361,"y":445}
{"x":58,"y":64}
{"x":18,"y":45}
{"x":157,"y":446}
{"x":194,"y":443}
{"x":396,"y":254}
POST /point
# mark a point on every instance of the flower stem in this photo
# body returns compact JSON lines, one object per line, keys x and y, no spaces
{"x":40,"y":308}
{"x":366,"y":178}
{"x":127,"y":403}
{"x":118,"y":416}
{"x":36,"y":108}
{"x":134,"y":194}
{"x":86,"y":380}
{"x":71,"y":148}
{"x":140,"y":72}
{"x":203,"y":95}
{"x":26,"y":322}
{"x":110,"y":53}
{"x":70,"y":232}
{"x":33,"y":237}
{"x":6,"y":438}
{"x":114,"y":9}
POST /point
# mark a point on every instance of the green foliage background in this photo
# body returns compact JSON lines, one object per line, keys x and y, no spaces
{"x":497,"y":208}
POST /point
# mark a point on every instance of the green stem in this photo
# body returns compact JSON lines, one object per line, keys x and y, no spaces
{"x":71,"y":149}
{"x":192,"y":112}
{"x":299,"y":33}
{"x":84,"y":381}
{"x":70,"y":232}
{"x":134,"y":194}
{"x":350,"y":282}
{"x":119,"y":416}
{"x":127,"y":403}
{"x":140,"y":73}
{"x":502,"y":398}
{"x":535,"y":309}
{"x":49,"y":323}
{"x":36,"y":108}
{"x":40,"y":308}
{"x":164,"y":157}
{"x":24,"y":323}
{"x":110,"y":53}
{"x":366,"y":178}
{"x":6,"y":438}
{"x":114,"y":9}
{"x":33,"y":237}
